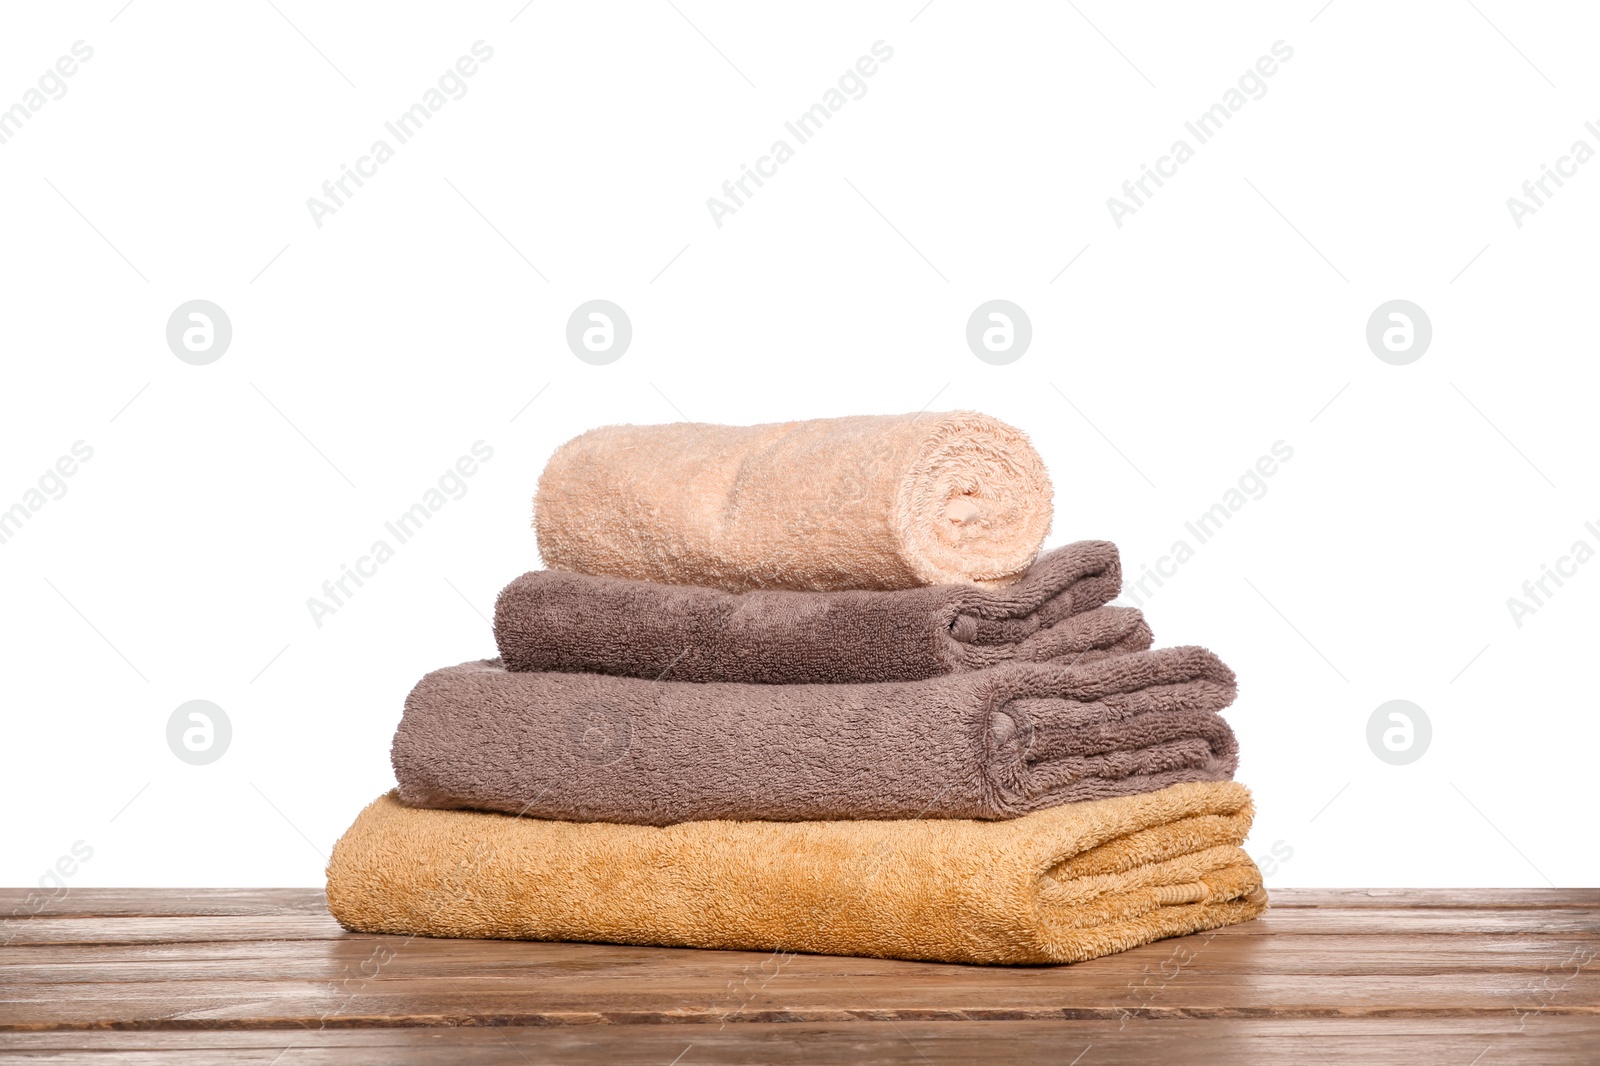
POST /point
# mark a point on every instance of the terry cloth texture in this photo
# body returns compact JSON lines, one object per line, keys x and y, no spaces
{"x":556,"y":620}
{"x":989,"y":744}
{"x":1062,"y":885}
{"x":867,"y":502}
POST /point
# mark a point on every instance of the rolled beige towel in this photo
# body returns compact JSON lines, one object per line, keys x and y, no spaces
{"x":865,"y":502}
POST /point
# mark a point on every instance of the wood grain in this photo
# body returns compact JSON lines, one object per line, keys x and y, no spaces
{"x":1342,"y":975}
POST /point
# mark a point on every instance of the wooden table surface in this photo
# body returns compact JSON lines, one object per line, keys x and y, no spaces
{"x":1480,"y":976}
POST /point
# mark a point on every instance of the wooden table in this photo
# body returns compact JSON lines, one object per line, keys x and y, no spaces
{"x":1482,"y":976}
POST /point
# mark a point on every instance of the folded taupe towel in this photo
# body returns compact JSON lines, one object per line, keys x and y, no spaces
{"x":988,"y":744}
{"x":879,"y":502}
{"x":557,"y":620}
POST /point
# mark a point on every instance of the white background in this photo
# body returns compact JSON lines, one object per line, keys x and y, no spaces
{"x":368,"y":354}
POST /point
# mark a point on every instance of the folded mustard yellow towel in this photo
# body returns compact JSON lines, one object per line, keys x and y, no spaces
{"x":866,"y":502}
{"x":1061,"y":885}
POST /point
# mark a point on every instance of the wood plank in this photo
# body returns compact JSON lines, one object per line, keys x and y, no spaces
{"x":1448,"y":898}
{"x":246,"y":1004}
{"x":177,"y":902}
{"x":411,"y":991}
{"x":1371,"y":1042}
{"x":163,"y":930}
{"x":157,"y":902}
{"x":1355,"y":920}
{"x":334,"y":960}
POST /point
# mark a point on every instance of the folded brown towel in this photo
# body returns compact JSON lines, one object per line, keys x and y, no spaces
{"x":1062,"y":885}
{"x":556,"y":620}
{"x":876,"y":502}
{"x":988,"y":744}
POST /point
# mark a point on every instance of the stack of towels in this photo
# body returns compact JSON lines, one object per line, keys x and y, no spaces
{"x":811,"y":687}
